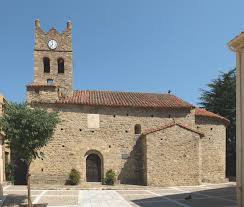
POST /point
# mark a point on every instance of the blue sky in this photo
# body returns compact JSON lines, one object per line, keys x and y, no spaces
{"x":125,"y":45}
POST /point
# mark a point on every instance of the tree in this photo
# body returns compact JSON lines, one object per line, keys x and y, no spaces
{"x":220,"y":98}
{"x":27,"y":129}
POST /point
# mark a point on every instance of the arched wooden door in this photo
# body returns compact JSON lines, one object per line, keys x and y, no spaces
{"x":93,"y":168}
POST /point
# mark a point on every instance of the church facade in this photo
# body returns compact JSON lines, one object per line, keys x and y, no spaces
{"x":146,"y":138}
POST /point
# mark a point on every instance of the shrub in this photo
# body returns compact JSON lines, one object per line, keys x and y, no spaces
{"x":74,"y":177}
{"x":110,"y":177}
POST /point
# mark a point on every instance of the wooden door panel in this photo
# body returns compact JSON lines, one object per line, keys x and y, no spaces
{"x":93,"y":168}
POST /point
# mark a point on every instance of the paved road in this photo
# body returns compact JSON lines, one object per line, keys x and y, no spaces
{"x":201,"y":196}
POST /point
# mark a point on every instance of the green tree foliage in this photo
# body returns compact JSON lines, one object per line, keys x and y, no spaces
{"x":27,"y":129}
{"x":220,"y":98}
{"x":110,"y":177}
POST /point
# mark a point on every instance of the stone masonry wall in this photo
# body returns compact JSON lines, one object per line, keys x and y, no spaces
{"x":114,"y":137}
{"x":144,"y":159}
{"x":173,"y":157}
{"x":213,"y":149}
{"x":61,"y":79}
{"x":1,"y":109}
{"x":1,"y":105}
{"x":63,"y":50}
{"x":42,"y":94}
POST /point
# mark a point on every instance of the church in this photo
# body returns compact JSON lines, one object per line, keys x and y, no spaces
{"x":145,"y":138}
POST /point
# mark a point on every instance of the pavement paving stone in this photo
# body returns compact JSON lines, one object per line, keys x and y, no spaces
{"x":219,"y":192}
{"x":230,"y":197}
{"x":210,"y":202}
{"x":21,"y":192}
{"x":13,"y":200}
{"x":191,"y":188}
{"x":202,"y":196}
{"x":62,"y":192}
{"x":155,"y":204}
{"x":105,"y":198}
{"x":140,"y":197}
{"x":167,"y":192}
{"x":59,"y":200}
{"x":132,"y":192}
{"x":16,"y":187}
{"x":183,"y":196}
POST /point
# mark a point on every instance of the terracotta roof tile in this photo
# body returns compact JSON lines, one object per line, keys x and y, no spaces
{"x":130,"y":99}
{"x":153,"y":130}
{"x":205,"y":113}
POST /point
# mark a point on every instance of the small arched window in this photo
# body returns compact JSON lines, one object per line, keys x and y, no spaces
{"x":137,"y":129}
{"x":60,"y":65}
{"x":46,"y":65}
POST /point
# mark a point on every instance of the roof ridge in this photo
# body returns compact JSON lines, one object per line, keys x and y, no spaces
{"x":153,"y":130}
{"x":126,"y":99}
{"x":133,"y":92}
{"x":205,"y":113}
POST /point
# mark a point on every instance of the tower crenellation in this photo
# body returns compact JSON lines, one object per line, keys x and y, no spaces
{"x":53,"y":64}
{"x":63,"y":38}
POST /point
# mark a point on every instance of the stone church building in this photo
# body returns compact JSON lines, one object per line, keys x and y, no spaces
{"x":146,"y":138}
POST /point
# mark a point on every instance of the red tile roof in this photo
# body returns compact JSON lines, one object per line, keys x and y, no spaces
{"x":130,"y":99}
{"x":205,"y":113}
{"x":149,"y":131}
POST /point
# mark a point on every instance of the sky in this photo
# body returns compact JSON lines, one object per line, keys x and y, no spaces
{"x":125,"y":45}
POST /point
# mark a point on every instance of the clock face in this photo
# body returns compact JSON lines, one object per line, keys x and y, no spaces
{"x":52,"y":44}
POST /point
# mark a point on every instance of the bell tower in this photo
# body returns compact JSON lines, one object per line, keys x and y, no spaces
{"x":53,"y":65}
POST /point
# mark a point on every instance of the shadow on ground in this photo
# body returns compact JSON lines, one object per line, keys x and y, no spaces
{"x":13,"y":200}
{"x":221,"y":197}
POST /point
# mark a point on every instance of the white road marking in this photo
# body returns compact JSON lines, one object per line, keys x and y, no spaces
{"x":60,"y":195}
{"x":38,"y":198}
{"x":135,"y":194}
{"x":100,"y":197}
{"x":65,"y":206}
{"x":38,"y":190}
{"x":216,"y":197}
{"x":156,"y":201}
{"x":169,"y":199}
{"x":123,"y":198}
{"x":80,"y":198}
{"x":6,"y":187}
{"x":203,"y":194}
{"x":2,"y":199}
